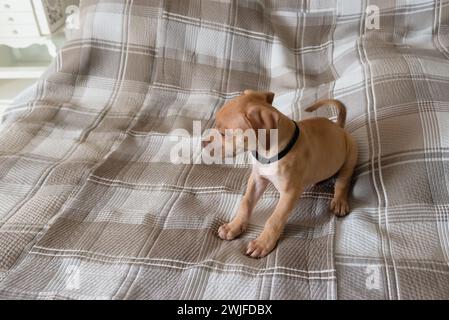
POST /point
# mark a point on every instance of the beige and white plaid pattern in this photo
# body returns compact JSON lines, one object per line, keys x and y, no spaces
{"x":92,"y":207}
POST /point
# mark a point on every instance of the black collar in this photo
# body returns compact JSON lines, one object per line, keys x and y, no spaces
{"x":281,"y":154}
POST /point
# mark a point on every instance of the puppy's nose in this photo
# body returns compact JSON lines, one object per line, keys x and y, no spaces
{"x":204,"y":143}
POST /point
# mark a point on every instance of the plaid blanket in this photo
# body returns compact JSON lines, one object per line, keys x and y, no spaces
{"x":92,"y":207}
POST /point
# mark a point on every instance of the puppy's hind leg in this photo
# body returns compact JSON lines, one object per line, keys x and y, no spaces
{"x":254,"y":190}
{"x":339,"y":204}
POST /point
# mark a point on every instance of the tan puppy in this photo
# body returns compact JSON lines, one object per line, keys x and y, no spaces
{"x":322,"y":149}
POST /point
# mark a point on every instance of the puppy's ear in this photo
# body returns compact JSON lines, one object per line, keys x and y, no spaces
{"x":269,"y":97}
{"x":265,"y":95}
{"x":261,"y":117}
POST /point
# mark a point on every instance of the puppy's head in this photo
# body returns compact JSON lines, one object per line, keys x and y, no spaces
{"x":238,"y":120}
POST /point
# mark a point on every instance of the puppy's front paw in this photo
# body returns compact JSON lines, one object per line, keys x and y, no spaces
{"x":340,"y":207}
{"x":260,"y":247}
{"x":230,"y":231}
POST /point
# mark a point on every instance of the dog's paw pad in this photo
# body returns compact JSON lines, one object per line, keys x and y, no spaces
{"x":340,"y":207}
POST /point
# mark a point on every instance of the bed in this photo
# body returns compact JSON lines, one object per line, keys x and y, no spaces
{"x":91,"y":207}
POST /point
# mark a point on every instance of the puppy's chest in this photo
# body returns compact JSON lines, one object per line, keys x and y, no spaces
{"x":268,"y":171}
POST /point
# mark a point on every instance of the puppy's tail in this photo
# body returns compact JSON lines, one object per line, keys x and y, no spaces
{"x":341,"y":118}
